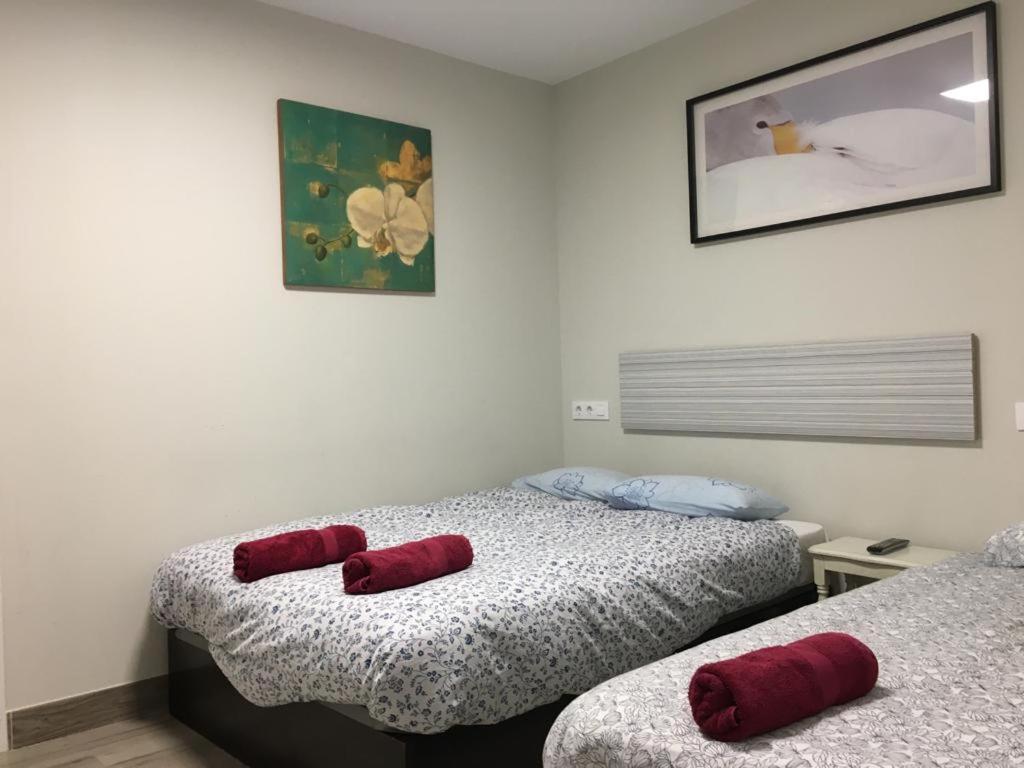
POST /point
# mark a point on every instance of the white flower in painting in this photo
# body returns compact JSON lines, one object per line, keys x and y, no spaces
{"x":425,"y":197}
{"x":388,"y":222}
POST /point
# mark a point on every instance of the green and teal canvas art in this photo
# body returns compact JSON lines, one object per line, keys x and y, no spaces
{"x":357,"y":197}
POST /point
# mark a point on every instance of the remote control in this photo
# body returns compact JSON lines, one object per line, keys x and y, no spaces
{"x":886,"y":546}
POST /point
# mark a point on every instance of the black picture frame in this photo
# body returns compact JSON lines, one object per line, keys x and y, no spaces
{"x":986,"y":9}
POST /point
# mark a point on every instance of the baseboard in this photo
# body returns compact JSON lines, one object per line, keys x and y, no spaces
{"x":142,"y":699}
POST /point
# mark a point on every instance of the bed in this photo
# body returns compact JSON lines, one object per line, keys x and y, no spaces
{"x":948,"y":637}
{"x":561,"y":595}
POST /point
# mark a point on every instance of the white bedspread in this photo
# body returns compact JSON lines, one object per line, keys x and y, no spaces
{"x":561,"y":596}
{"x":949,"y":640}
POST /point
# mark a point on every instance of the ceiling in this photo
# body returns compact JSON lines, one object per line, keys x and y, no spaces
{"x":545,"y":40}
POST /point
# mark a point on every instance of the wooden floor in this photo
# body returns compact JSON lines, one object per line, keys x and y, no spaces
{"x":161,"y":743}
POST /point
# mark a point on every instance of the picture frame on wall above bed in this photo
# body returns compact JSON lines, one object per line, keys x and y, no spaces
{"x":357,"y":201}
{"x":905,"y":119}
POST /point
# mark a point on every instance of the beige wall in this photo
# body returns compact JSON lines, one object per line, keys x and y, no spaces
{"x":630,"y":280}
{"x":160,"y":386}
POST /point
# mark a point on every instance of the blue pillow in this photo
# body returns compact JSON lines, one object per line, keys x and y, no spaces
{"x":573,"y":483}
{"x":695,"y":496}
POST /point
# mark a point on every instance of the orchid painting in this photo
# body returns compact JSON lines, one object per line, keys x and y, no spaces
{"x":357,"y":201}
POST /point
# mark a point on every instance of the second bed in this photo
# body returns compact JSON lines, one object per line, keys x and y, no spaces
{"x":948,"y":639}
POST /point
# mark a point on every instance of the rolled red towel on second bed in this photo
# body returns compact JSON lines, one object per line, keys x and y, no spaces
{"x":407,"y":564}
{"x":773,"y":687}
{"x":297,"y":551}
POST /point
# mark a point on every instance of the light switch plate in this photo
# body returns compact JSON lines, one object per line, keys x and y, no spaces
{"x":1020,"y":417}
{"x":590,"y":410}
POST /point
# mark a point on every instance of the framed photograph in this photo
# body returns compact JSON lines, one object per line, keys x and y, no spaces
{"x":905,"y":119}
{"x":357,"y":201}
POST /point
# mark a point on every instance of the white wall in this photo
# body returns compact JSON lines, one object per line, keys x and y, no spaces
{"x":630,"y":280}
{"x":161,"y":386}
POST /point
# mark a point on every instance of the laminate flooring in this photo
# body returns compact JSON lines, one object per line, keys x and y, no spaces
{"x":161,"y":743}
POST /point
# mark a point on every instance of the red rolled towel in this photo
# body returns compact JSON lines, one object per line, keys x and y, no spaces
{"x":766,"y":689}
{"x":417,"y":561}
{"x":297,"y":551}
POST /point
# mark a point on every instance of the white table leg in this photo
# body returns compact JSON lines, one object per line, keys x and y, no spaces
{"x":821,"y":580}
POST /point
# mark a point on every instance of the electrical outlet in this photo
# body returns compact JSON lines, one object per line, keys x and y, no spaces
{"x":1020,"y":417}
{"x":590,"y":410}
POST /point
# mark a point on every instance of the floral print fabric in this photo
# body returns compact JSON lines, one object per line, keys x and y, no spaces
{"x":561,"y":595}
{"x":949,"y":639}
{"x":1006,"y":548}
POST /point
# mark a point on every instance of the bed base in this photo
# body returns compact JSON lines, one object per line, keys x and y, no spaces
{"x":315,"y":735}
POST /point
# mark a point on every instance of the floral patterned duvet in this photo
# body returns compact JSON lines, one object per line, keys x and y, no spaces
{"x":561,"y":595}
{"x":949,"y":640}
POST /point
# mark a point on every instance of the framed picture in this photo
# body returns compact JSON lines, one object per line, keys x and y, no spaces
{"x":357,"y":201}
{"x":904,"y":119}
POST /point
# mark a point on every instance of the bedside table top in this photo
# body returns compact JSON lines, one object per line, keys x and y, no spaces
{"x":853,"y":548}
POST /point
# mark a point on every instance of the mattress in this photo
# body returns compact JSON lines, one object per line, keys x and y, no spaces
{"x":808,"y":534}
{"x":948,"y":637}
{"x":561,"y":595}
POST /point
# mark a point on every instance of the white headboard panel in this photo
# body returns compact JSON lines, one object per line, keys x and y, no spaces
{"x":911,"y":389}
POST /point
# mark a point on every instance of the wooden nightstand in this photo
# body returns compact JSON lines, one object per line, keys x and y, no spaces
{"x":849,"y":555}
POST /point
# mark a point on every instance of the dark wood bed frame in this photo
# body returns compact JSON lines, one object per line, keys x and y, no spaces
{"x":315,"y":735}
